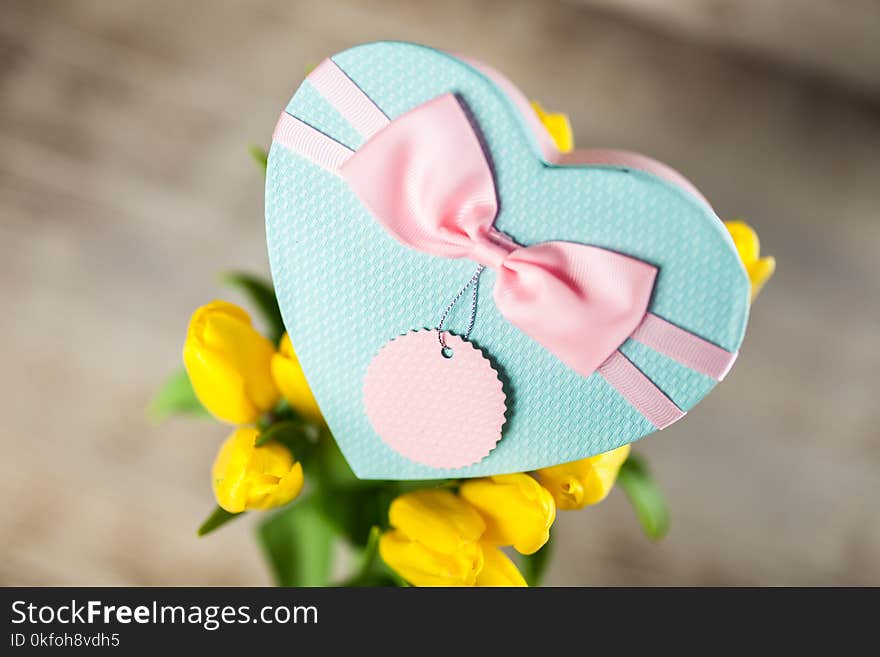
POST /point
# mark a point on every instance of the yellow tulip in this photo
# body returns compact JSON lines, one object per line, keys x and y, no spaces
{"x":247,"y":477}
{"x":749,"y":247}
{"x":291,"y":381}
{"x":557,"y":125}
{"x":586,"y":481}
{"x":437,"y":518}
{"x":419,"y":565}
{"x":435,"y":540}
{"x":498,"y":569}
{"x":228,"y":363}
{"x":516,"y":508}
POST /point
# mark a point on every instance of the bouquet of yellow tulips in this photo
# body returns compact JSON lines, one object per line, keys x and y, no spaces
{"x":282,"y":459}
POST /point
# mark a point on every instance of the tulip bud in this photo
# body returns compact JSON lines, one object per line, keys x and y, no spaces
{"x":498,"y":569}
{"x":228,"y":363}
{"x":558,"y":125}
{"x":247,"y":477}
{"x":516,"y":509}
{"x":291,"y":381}
{"x":586,"y":481}
{"x":421,"y":566}
{"x":749,"y":248}
{"x":435,"y":540}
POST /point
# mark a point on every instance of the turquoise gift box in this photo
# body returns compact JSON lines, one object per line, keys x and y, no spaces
{"x":346,"y":287}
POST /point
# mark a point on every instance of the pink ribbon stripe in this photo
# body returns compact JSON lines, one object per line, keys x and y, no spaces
{"x":315,"y":146}
{"x":640,"y":391}
{"x":353,"y":104}
{"x":686,"y":348}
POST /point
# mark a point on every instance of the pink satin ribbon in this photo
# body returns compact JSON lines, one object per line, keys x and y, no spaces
{"x":425,"y":179}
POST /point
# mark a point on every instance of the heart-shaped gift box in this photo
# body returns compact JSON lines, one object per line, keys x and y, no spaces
{"x":347,"y":285}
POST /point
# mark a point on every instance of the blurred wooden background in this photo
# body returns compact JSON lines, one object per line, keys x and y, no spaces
{"x":125,"y":186}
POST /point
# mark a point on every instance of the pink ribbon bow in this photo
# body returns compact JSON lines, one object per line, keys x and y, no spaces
{"x":426,"y":180}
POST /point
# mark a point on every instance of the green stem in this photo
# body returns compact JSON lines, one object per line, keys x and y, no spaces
{"x":276,"y":429}
{"x":534,"y":566}
{"x":371,"y":551}
{"x":367,"y":570}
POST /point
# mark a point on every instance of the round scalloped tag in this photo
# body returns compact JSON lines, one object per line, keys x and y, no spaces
{"x":443,"y":408}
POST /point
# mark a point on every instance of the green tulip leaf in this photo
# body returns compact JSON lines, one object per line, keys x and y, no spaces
{"x":650,"y":506}
{"x":298,"y":544}
{"x":534,"y":566}
{"x":176,"y":397}
{"x":260,"y":292}
{"x":260,"y":156}
{"x":217,"y":519}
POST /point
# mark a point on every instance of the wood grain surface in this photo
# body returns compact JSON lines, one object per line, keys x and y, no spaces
{"x":125,"y":187}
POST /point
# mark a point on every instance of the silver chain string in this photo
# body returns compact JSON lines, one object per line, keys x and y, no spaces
{"x":471,"y":283}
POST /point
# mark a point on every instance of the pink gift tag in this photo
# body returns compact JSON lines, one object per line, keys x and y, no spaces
{"x":439,"y":410}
